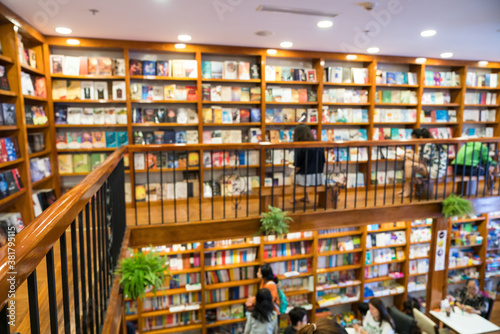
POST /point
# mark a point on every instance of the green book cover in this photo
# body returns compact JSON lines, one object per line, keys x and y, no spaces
{"x":405,"y":96}
{"x":96,"y":159}
{"x":206,"y":70}
{"x":81,"y":163}
{"x":386,"y":96}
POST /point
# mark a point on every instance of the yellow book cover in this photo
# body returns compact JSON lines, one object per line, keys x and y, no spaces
{"x":59,"y":90}
{"x":295,"y":95}
{"x":169,"y":92}
{"x":193,"y":159}
{"x":217,"y":115}
{"x":74,"y":90}
{"x":65,"y":163}
{"x":207,"y":115}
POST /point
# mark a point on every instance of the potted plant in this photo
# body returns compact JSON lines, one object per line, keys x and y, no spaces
{"x":140,"y":271}
{"x":456,"y":206}
{"x":274,"y":222}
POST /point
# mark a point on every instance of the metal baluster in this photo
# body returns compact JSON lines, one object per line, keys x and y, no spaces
{"x":95,"y":254}
{"x":104,"y":243}
{"x":148,"y":189}
{"x":33,"y":303}
{"x":161,"y":186}
{"x":74,"y":265}
{"x":412,"y":173}
{"x":51,"y":283}
{"x":89,"y":267}
{"x":376,"y":175}
{"x":82,"y":272}
{"x":385,"y":178}
{"x":100,"y":252}
{"x":316,"y":180}
{"x":404,"y":175}
{"x":327,"y":177}
{"x":175,"y":195}
{"x":4,"y":320}
{"x":446,"y":170}
{"x":187,"y":183}
{"x":305,"y":181}
{"x":65,"y":280}
{"x":346,"y":176}
{"x":272,"y":177}
{"x":463,"y":170}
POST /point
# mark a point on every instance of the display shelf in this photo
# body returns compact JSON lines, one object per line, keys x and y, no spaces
{"x":5,"y":59}
{"x":465,"y":246}
{"x":231,"y":266}
{"x":346,"y":104}
{"x":381,"y":104}
{"x":381,"y":263}
{"x":159,"y":78}
{"x":442,"y":87}
{"x":37,"y":127}
{"x":343,"y":124}
{"x":31,"y":70}
{"x":281,"y":277}
{"x":231,"y":124}
{"x":340,"y":268}
{"x":87,"y":77}
{"x":39,"y":154}
{"x":131,"y":317}
{"x":231,"y":284}
{"x":396,"y":86}
{"x":9,"y":199}
{"x":331,"y":304}
{"x":7,"y":93}
{"x":291,"y":103}
{"x":394,"y":123}
{"x":456,"y":105}
{"x":84,"y":126}
{"x":483,"y":88}
{"x":320,"y":288}
{"x":11,"y":163}
{"x":297,"y":292}
{"x":439,"y":123}
{"x":189,"y":251}
{"x":165,"y":101}
{"x":418,"y":274}
{"x":91,"y":101}
{"x":291,"y":124}
{"x":232,"y":80}
{"x":482,"y":105}
{"x":380,"y":279}
{"x":157,"y":313}
{"x":35,"y":98}
{"x":390,"y":229}
{"x":226,"y":303}
{"x":389,"y":246}
{"x":9,"y":127}
{"x":186,"y":271}
{"x":339,"y":234}
{"x":480,"y":122}
{"x":329,"y":253}
{"x":230,"y":167}
{"x":287,"y":258}
{"x":237,"y":246}
{"x":292,"y":82}
{"x":389,"y":295}
{"x":69,"y":150}
{"x":463,"y":267}
{"x":284,"y":241}
{"x":468,"y":220}
{"x":225,"y":322}
{"x":420,"y":242}
{"x":175,"y":329}
{"x":166,"y":292}
{"x":232,"y":102}
{"x":158,"y":170}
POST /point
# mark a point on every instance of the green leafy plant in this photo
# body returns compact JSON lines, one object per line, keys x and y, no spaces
{"x":140,"y":271}
{"x":456,"y":206}
{"x":274,"y":222}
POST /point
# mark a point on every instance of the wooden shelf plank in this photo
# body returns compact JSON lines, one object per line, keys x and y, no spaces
{"x":380,"y":279}
{"x":186,"y":271}
{"x":5,"y":59}
{"x":281,"y":277}
{"x":37,"y":127}
{"x":159,"y":78}
{"x":284,"y":241}
{"x":345,"y":84}
{"x":90,"y":101}
{"x":420,"y":242}
{"x":389,"y":295}
{"x":381,"y":104}
{"x":394,"y":123}
{"x":292,"y":82}
{"x":88,"y":77}
{"x":483,"y":88}
{"x":232,"y":124}
{"x":481,"y":105}
{"x":42,"y":181}
{"x":32,"y":70}
{"x":157,"y":313}
{"x":8,"y":128}
{"x":442,"y":87}
{"x":330,"y":253}
{"x":75,"y":174}
{"x":345,"y":104}
{"x":226,"y":303}
{"x":231,"y":284}
{"x":413,"y":275}
{"x":382,"y":263}
{"x":34,"y":98}
{"x":225,"y":322}
{"x":320,"y":288}
{"x":440,"y":105}
{"x":480,"y":122}
{"x":463,"y":267}
{"x":288,"y":258}
{"x":7,"y":93}
{"x":175,"y":329}
{"x":143,"y":125}
{"x":440,"y":123}
{"x":418,"y":258}
{"x":11,"y":163}
{"x":7,"y":200}
{"x":39,"y":154}
{"x":104,"y":149}
{"x":390,"y":229}
{"x":237,"y":246}
{"x":61,"y":126}
{"x":341,"y":268}
{"x":297,"y":292}
{"x":343,"y":124}
{"x":233,"y":80}
{"x":396,"y":85}
{"x":232,"y":102}
{"x":468,"y":220}
{"x":389,"y":246}
{"x":165,"y":101}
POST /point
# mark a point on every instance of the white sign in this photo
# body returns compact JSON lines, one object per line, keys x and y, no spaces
{"x":440,"y":251}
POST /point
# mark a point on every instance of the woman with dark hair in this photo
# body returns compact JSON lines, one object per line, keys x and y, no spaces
{"x":377,"y":320}
{"x":431,"y":162}
{"x":263,"y":318}
{"x":269,"y":282}
{"x":323,"y":326}
{"x":470,"y":299}
{"x":309,"y":162}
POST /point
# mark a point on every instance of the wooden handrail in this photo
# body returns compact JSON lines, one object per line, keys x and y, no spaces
{"x":266,"y":145}
{"x":35,"y":241}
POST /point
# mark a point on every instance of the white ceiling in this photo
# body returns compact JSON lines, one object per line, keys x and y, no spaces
{"x":468,"y":28}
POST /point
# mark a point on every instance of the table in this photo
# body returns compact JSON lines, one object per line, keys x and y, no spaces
{"x":465,"y":323}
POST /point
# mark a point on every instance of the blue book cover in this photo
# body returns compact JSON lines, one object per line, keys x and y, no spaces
{"x":363,"y":134}
{"x":242,"y":158}
{"x":269,"y":115}
{"x":162,"y":69}
{"x":391,"y":78}
{"x":61,"y":115}
{"x":122,"y":138}
{"x":408,"y":133}
{"x":442,"y":116}
{"x":343,"y":153}
{"x":324,"y":136}
{"x":149,"y":67}
{"x":11,"y":149}
{"x":111,"y":139}
{"x":255,"y":115}
{"x":180,"y":137}
{"x":394,"y":133}
{"x":364,"y":116}
{"x":206,"y":70}
{"x":147,"y":92}
{"x":170,"y":137}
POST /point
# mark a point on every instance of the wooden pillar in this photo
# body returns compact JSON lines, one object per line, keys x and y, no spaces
{"x":436,"y":290}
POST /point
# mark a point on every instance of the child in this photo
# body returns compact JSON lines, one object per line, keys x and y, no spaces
{"x":263,"y":319}
{"x":323,"y":326}
{"x":298,"y":318}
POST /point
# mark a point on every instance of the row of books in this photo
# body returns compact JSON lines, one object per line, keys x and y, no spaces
{"x":175,"y":68}
{"x":79,"y":163}
{"x":165,"y":160}
{"x":88,"y":90}
{"x":166,"y":137}
{"x":438,"y":116}
{"x":167,"y":191}
{"x":230,"y":275}
{"x":419,"y":250}
{"x":36,"y":142}
{"x":280,"y":136}
{"x":104,"y":66}
{"x":342,"y":295}
{"x":391,"y":133}
{"x":94,"y":139}
{"x":486,"y":98}
{"x":478,"y":132}
{"x":290,"y":95}
{"x":181,"y":280}
{"x":295,"y":284}
{"x":10,"y":224}
{"x":218,"y":93}
{"x":146,"y":92}
{"x":476,"y":115}
{"x":42,"y":199}
{"x":343,"y":135}
{"x":90,"y":116}
{"x":386,"y":177}
{"x":336,"y":279}
{"x":339,"y":244}
{"x":229,"y":70}
{"x":33,"y":85}
{"x":337,"y":230}
{"x":9,"y":149}
{"x":253,"y":135}
{"x":384,"y":255}
{"x":344,"y":115}
{"x":396,"y":96}
{"x":284,"y":73}
{"x":300,"y":266}
{"x":232,"y":256}
{"x":10,"y":182}
{"x":338,"y":260}
{"x":382,"y":289}
{"x":482,"y":79}
{"x":338,"y":74}
{"x":345,"y":95}
{"x":4,"y":81}
{"x":287,"y":249}
{"x":231,"y":158}
{"x":385,"y":239}
{"x":184,"y":261}
{"x":40,"y":168}
{"x":291,"y":115}
{"x":232,"y":185}
{"x":394,"y":115}
{"x":35,"y":115}
{"x":393,"y":270}
{"x":419,"y":266}
{"x":396,"y":78}
{"x":231,"y":242}
{"x":226,"y":294}
{"x":219,"y":115}
{"x":435,"y":78}
{"x":8,"y":114}
{"x":227,"y":313}
{"x":164,"y":302}
{"x":164,"y":115}
{"x":436,"y":98}
{"x":171,"y":320}
{"x":27,"y":56}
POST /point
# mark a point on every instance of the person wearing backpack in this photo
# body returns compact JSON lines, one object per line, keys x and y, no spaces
{"x":269,"y":281}
{"x":263,"y":319}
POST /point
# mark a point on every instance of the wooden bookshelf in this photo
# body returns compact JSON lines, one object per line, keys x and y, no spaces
{"x":233,"y":102}
{"x":232,"y":80}
{"x":84,"y":126}
{"x":7,"y":93}
{"x":155,"y":77}
{"x":32,"y":70}
{"x":90,"y":101}
{"x":292,"y":82}
{"x":38,"y":127}
{"x":5,"y":60}
{"x":34,"y":98}
{"x":87,"y":77}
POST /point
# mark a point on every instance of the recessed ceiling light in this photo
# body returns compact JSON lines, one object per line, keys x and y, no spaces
{"x":373,"y":50}
{"x":351,"y":57}
{"x":483,"y":63}
{"x":446,"y":54}
{"x":184,"y":38}
{"x":63,"y":30}
{"x":428,"y":33}
{"x":263,"y":33}
{"x":322,"y":63}
{"x":420,"y":60}
{"x":286,"y":44}
{"x":272,"y":52}
{"x":72,"y":41}
{"x":325,"y":24}
{"x":180,"y":46}
{"x":16,"y":28}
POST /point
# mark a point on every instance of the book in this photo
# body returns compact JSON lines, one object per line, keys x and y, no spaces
{"x":87,"y":90}
{"x":59,"y":89}
{"x":65,"y":163}
{"x":105,"y":66}
{"x":98,"y":139}
{"x":74,"y":115}
{"x":148,"y":67}
{"x":162,"y":68}
{"x":119,"y":67}
{"x":4,"y":82}
{"x":71,"y":65}
{"x":230,"y":70}
{"x":135,"y":67}
{"x":73,"y":90}
{"x":93,"y":66}
{"x":81,"y":163}
{"x":56,"y":64}
{"x":100,"y":90}
{"x":119,"y":90}
{"x":111,"y":140}
{"x":9,"y":114}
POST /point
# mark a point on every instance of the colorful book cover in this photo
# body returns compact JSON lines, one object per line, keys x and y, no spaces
{"x":206,"y":70}
{"x":149,"y":67}
{"x":81,"y":163}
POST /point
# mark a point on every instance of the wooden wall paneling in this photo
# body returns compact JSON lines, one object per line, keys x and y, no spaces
{"x":263,"y":87}
{"x":130,"y":129}
{"x":436,"y":290}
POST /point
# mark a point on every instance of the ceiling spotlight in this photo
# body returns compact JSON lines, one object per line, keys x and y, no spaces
{"x":325,"y":24}
{"x":272,"y":52}
{"x":373,"y":50}
{"x":420,"y":60}
{"x":286,"y":44}
{"x":263,"y":33}
{"x":483,"y":63}
{"x":184,"y":38}
{"x":180,"y":46}
{"x":446,"y":54}
{"x":63,"y":30}
{"x":428,"y":33}
{"x":322,"y":63}
{"x":72,"y":41}
{"x":351,"y":57}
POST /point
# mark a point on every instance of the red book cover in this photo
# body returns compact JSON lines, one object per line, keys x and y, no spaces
{"x":3,"y":151}
{"x":84,"y":66}
{"x":302,"y":95}
{"x":191,"y":93}
{"x":17,"y":178}
{"x":105,"y":66}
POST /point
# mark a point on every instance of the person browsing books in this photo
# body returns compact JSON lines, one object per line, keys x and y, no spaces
{"x":323,"y":326}
{"x":298,"y":318}
{"x":268,"y":281}
{"x":474,"y":158}
{"x":471,"y":300}
{"x":309,"y":162}
{"x":263,"y":319}
{"x":377,"y":320}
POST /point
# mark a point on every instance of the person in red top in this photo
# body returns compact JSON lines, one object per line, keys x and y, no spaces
{"x":268,"y":281}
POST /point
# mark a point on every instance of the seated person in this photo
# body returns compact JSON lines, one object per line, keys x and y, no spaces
{"x":471,"y":300}
{"x":473,"y":158}
{"x":298,"y":318}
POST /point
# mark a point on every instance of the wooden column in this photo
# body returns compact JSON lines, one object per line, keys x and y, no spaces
{"x":436,"y":290}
